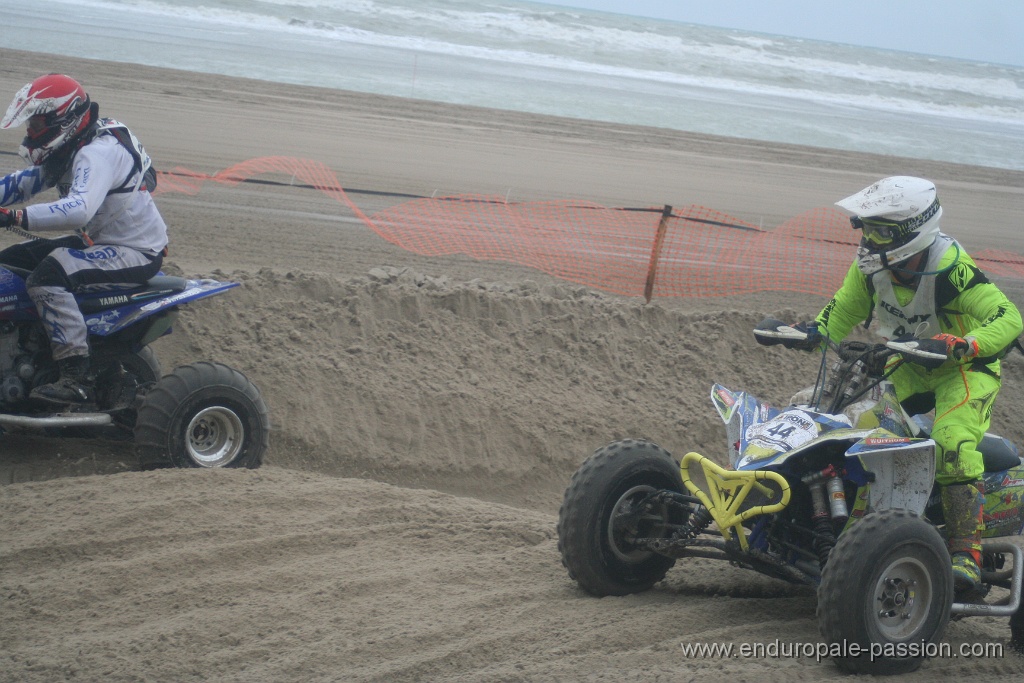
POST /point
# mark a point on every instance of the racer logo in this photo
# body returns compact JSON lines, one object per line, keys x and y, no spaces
{"x":725,"y":397}
{"x":1002,"y":517}
{"x":1007,"y":480}
{"x":960,"y":276}
{"x":63,"y":207}
{"x":885,"y":440}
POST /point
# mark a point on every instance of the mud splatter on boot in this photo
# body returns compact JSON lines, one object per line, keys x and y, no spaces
{"x":73,"y":387}
{"x":962,"y":507}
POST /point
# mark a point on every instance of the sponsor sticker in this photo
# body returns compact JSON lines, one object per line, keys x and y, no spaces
{"x":885,"y":440}
{"x":785,"y":431}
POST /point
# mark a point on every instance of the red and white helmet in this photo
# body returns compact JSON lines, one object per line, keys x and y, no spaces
{"x":56,"y":109}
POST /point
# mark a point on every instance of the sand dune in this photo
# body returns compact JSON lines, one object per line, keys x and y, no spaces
{"x":427,"y":412}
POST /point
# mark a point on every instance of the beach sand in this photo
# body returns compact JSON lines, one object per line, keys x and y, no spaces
{"x":403,"y":525}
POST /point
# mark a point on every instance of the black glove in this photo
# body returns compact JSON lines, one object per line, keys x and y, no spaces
{"x":8,"y":218}
{"x":813,"y":341}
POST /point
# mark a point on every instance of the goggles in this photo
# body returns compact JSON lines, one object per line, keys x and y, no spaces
{"x":876,"y":231}
{"x":881,"y":231}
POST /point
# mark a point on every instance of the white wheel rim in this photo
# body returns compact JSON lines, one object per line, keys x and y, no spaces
{"x":902,"y":599}
{"x":214,"y":437}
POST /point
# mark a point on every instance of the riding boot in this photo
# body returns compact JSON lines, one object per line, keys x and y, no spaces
{"x":74,"y":386}
{"x":962,"y":507}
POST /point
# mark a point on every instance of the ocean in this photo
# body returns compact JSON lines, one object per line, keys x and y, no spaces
{"x":530,"y":57}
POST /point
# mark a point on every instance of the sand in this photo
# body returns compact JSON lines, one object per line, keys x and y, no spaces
{"x":427,"y":412}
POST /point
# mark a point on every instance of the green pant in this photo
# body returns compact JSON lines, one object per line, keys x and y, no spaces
{"x":963,"y":411}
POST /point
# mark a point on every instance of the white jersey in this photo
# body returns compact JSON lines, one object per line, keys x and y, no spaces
{"x":103,"y":199}
{"x":919,"y":317}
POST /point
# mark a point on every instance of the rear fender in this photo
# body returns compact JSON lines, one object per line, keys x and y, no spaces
{"x":1004,"y":502}
{"x":110,"y":321}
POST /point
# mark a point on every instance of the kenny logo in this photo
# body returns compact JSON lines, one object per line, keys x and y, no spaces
{"x":899,"y":313}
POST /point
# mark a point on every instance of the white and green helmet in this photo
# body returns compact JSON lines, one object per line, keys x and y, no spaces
{"x":898,"y":216}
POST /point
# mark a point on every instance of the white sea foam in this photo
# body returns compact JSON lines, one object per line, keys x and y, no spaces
{"x":509,"y":53}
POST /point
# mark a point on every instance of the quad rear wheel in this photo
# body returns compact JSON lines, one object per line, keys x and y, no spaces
{"x":604,"y":512}
{"x":203,"y":415}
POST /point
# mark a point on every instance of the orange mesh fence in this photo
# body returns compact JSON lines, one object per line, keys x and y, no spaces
{"x":692,"y":251}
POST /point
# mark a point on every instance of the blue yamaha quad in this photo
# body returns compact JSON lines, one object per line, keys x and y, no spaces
{"x":834,"y":491}
{"x":200,"y":415}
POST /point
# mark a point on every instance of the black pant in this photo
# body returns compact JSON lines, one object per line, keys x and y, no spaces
{"x":28,"y":255}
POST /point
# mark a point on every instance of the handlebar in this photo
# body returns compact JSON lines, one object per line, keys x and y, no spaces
{"x":928,"y":353}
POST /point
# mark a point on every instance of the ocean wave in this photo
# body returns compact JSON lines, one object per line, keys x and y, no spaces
{"x":644,"y":50}
{"x":528,"y":47}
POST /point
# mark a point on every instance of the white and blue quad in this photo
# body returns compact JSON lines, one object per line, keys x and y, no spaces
{"x":204,"y":414}
{"x":835,"y":491}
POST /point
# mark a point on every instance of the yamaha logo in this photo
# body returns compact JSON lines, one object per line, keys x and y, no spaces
{"x":113,"y":300}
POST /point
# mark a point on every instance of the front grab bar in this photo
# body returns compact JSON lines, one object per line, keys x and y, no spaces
{"x":728,"y":490}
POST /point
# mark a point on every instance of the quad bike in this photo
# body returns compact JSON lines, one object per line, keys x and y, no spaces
{"x":200,"y":415}
{"x":835,"y":491}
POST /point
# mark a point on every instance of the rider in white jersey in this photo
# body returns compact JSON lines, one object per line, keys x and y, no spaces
{"x":103,"y":177}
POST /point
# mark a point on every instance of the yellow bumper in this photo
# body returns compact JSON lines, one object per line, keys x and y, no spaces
{"x":727,"y":491}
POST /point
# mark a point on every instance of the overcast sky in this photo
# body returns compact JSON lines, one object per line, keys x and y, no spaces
{"x":981,"y":30}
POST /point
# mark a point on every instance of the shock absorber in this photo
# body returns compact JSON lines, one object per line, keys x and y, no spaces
{"x":828,"y":501}
{"x":836,"y":494}
{"x":699,"y":520}
{"x":824,"y":537}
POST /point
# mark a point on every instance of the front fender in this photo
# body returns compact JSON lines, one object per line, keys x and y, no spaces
{"x":901,"y":470}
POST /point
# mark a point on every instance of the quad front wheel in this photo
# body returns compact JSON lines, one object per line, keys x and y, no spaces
{"x":885,"y":593}
{"x":203,"y":415}
{"x":605,"y":510}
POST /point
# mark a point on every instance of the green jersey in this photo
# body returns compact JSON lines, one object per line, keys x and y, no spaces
{"x":959,"y":299}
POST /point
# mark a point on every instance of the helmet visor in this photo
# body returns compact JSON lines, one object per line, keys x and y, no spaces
{"x":36,"y":125}
{"x":40,"y":132}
